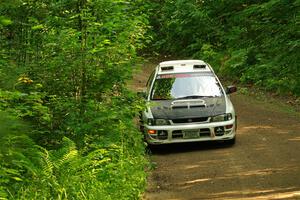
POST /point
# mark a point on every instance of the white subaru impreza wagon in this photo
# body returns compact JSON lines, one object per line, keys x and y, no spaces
{"x":187,"y":103}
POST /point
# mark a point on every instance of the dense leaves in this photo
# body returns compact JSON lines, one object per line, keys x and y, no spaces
{"x":66,"y":120}
{"x":255,"y":42}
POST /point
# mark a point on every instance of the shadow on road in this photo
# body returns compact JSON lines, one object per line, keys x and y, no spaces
{"x":186,"y":147}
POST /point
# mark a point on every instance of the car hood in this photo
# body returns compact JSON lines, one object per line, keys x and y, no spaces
{"x":188,"y":108}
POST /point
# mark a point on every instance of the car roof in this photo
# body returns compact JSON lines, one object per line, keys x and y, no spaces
{"x":183,"y":66}
{"x":178,"y":62}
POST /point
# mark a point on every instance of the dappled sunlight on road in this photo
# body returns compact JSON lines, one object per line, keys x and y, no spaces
{"x":264,"y":164}
{"x":269,"y":171}
{"x":277,"y":193}
{"x":250,"y":129}
{"x":257,"y":127}
{"x":231,"y":175}
{"x":260,"y":147}
{"x":198,"y":180}
{"x":295,"y":139}
{"x":228,"y":169}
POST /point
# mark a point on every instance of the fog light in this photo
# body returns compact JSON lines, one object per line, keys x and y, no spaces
{"x":162,"y":135}
{"x":219,"y":131}
{"x":152,"y":132}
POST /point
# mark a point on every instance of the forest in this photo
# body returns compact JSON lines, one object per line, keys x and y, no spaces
{"x":67,"y":127}
{"x":254,"y":42}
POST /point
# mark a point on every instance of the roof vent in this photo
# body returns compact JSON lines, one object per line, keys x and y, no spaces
{"x":199,"y":66}
{"x":167,"y":68}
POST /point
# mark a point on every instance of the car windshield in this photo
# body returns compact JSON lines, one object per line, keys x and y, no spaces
{"x":185,"y":86}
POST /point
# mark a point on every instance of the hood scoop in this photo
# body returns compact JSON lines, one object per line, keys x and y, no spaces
{"x":187,"y":104}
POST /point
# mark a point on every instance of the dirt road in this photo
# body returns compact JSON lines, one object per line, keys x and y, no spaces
{"x":263,"y":164}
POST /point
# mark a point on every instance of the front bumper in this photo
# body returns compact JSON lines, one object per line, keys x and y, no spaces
{"x":190,"y":132}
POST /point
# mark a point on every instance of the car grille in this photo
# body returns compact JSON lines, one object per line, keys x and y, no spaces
{"x":178,"y":134}
{"x":189,"y":120}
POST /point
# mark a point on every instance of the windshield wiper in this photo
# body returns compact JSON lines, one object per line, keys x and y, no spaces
{"x":194,"y":97}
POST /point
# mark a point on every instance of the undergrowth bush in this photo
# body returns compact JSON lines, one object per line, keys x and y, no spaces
{"x":101,"y":157}
{"x":66,"y":121}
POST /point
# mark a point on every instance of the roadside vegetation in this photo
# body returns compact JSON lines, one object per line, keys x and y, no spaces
{"x":66,"y":117}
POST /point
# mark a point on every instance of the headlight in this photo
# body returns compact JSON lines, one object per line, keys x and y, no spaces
{"x":158,"y":122}
{"x":221,"y":118}
{"x":150,"y":122}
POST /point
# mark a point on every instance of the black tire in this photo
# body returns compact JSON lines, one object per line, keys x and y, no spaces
{"x":152,"y":149}
{"x":230,"y":142}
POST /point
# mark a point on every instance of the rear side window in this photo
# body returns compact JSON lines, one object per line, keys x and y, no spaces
{"x":148,"y":85}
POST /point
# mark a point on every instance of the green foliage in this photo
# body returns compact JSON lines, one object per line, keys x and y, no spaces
{"x":236,"y":64}
{"x":30,"y":108}
{"x":68,"y":129}
{"x":102,"y":171}
{"x":19,"y":155}
{"x":256,"y":42}
{"x":102,"y":157}
{"x":5,"y":21}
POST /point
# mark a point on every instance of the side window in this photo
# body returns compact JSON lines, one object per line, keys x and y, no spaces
{"x":150,"y":81}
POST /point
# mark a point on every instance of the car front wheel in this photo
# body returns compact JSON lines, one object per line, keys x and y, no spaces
{"x":230,"y":142}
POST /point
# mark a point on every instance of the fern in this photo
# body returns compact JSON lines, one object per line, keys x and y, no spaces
{"x":66,"y":154}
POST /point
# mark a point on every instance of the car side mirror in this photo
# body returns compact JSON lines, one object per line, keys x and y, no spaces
{"x":231,"y":89}
{"x":142,"y":95}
